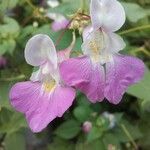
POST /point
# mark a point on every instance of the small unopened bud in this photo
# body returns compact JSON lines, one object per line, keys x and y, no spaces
{"x":128,"y":145}
{"x":35,"y":24}
{"x":87,"y":126}
{"x":41,"y":10}
{"x":111,"y":147}
{"x":75,"y":25}
{"x":3,"y":62}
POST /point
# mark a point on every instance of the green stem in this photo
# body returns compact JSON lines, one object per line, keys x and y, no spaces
{"x":143,"y":50}
{"x":146,"y":52}
{"x":20,"y":77}
{"x":30,"y":4}
{"x":83,"y":5}
{"x":135,"y":29}
{"x":129,"y":136}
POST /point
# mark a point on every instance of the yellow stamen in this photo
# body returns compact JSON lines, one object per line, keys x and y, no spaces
{"x":48,"y":86}
{"x":95,"y":48}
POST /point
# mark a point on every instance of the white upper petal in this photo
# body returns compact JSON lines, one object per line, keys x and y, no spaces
{"x":40,"y":49}
{"x":107,"y":14}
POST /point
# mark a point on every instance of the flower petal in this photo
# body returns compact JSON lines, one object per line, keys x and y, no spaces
{"x":24,"y":96}
{"x":40,"y":107}
{"x":75,"y":70}
{"x":114,"y":42}
{"x":39,"y":49}
{"x":86,"y":32}
{"x":94,"y":89}
{"x":94,"y":43}
{"x":123,"y":72}
{"x":85,"y":76}
{"x":36,"y":76}
{"x":60,"y":25}
{"x":107,"y":14}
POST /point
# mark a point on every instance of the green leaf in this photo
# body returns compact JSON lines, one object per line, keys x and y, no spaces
{"x":94,"y":134}
{"x":59,"y":144}
{"x":110,"y":138}
{"x":7,"y":4}
{"x":67,"y":8}
{"x":7,"y":46}
{"x":82,"y":99}
{"x":134,"y":12}
{"x":133,"y":130}
{"x":10,"y":28}
{"x":142,"y":90}
{"x":15,"y":141}
{"x":68,"y":129}
{"x":10,"y":121}
{"x":4,"y":92}
{"x":94,"y":145}
{"x":82,"y":113}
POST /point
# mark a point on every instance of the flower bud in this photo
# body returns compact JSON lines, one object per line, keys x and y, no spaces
{"x":3,"y":61}
{"x":35,"y":24}
{"x":87,"y":126}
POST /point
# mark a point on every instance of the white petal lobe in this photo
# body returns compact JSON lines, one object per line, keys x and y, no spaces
{"x":107,"y":14}
{"x":40,"y":49}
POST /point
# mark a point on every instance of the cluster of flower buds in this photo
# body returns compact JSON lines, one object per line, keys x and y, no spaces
{"x":79,"y":21}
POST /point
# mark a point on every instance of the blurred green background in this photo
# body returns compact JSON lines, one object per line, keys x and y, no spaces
{"x":122,"y":127}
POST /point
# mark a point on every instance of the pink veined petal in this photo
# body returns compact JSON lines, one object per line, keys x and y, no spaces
{"x":94,"y":89}
{"x":40,"y":107}
{"x":75,"y":70}
{"x":123,"y":72}
{"x":107,"y":14}
{"x":24,"y":96}
{"x":85,"y":76}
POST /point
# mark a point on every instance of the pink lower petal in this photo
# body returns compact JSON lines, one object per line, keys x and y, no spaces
{"x":123,"y":72}
{"x":40,"y":107}
{"x":94,"y":89}
{"x":85,"y":76}
{"x":75,"y":70}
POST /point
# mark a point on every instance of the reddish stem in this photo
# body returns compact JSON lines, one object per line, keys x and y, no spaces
{"x":62,"y":33}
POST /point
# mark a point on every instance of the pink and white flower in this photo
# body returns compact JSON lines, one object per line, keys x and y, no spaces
{"x":60,"y":22}
{"x":102,"y":72}
{"x":45,"y":96}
